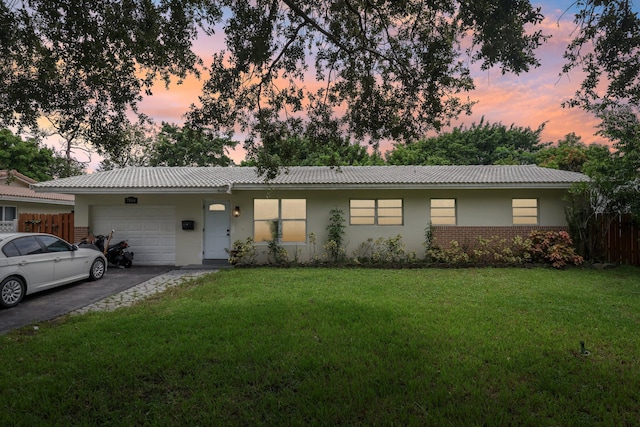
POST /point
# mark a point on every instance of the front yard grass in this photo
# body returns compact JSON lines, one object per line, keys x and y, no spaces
{"x":342,"y":346}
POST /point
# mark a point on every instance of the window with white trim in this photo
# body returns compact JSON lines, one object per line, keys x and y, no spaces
{"x":285,"y":217}
{"x":525,"y":211}
{"x":375,"y":212}
{"x":8,"y":213}
{"x":443,"y":212}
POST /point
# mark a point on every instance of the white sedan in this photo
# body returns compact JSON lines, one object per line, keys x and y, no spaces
{"x":33,"y":262}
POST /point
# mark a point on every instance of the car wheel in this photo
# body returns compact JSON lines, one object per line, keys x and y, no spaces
{"x":97,"y":269}
{"x":11,"y":292}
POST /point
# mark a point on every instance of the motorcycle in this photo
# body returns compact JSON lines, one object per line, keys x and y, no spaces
{"x":116,"y":254}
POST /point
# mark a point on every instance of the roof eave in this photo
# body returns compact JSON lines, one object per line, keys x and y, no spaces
{"x":308,"y":187}
{"x":443,"y":186}
{"x":37,"y":200}
{"x":137,"y":190}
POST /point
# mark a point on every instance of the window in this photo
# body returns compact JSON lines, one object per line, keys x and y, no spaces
{"x":28,"y":246}
{"x":217,"y":207}
{"x":10,"y":250}
{"x":54,"y":244}
{"x":8,"y":213}
{"x":375,"y":212}
{"x":525,"y":211}
{"x":443,"y":211}
{"x":286,"y":217}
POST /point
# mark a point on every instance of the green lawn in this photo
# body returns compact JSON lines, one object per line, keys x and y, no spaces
{"x":342,"y":346}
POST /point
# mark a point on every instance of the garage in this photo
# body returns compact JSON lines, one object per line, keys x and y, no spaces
{"x":150,"y":230}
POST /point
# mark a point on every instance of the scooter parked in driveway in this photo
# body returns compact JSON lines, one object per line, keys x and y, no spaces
{"x":116,"y":254}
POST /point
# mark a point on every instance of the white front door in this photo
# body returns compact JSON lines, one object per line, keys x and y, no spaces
{"x":216,"y":229}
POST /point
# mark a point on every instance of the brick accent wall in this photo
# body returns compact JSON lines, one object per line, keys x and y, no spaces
{"x":468,"y":236}
{"x":80,"y":233}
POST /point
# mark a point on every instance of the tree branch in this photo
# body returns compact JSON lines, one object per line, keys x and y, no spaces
{"x":306,"y":18}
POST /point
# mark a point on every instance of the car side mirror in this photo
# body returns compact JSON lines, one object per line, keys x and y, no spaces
{"x":74,"y":247}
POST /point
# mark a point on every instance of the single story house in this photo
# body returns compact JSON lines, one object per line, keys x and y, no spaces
{"x":188,"y":215}
{"x":17,"y":197}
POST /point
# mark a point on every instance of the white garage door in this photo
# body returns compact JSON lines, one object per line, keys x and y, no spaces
{"x":150,"y":230}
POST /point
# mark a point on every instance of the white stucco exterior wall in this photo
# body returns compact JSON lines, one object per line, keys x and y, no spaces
{"x":475,"y":207}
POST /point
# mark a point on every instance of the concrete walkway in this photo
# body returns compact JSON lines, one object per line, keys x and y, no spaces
{"x":145,"y":289}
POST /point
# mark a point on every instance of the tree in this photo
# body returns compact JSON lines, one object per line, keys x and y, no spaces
{"x":480,"y":144}
{"x":189,"y":146}
{"x":618,"y":178}
{"x":301,"y":151}
{"x":614,"y":188}
{"x":85,"y":64}
{"x":135,"y":148}
{"x":26,"y":157}
{"x":571,"y":154}
{"x":394,"y":68}
{"x":320,"y":143}
{"x":170,"y":145}
{"x":31,"y":159}
{"x":607,"y":49}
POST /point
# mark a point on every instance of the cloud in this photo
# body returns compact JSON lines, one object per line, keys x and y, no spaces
{"x":537,"y":96}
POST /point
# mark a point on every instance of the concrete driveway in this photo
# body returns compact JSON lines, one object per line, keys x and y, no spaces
{"x":47,"y":305}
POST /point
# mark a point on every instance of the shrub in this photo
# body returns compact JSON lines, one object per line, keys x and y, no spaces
{"x":496,"y":250}
{"x":454,"y":254}
{"x":311,"y":247}
{"x":550,"y":247}
{"x":384,"y":251}
{"x":334,"y":252}
{"x":276,"y":253}
{"x":553,"y":247}
{"x":242,"y":252}
{"x":428,"y":236}
{"x":334,"y":246}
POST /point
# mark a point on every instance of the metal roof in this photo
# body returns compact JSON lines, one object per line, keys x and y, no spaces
{"x":196,"y":179}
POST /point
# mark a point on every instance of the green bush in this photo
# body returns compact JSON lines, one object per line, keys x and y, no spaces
{"x":334,"y":252}
{"x":242,"y":252}
{"x":496,"y":250}
{"x":384,"y":251}
{"x":334,"y":247}
{"x":453,"y":255}
{"x":275,"y":252}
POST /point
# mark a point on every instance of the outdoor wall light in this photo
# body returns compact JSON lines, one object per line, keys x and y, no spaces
{"x":236,"y":212}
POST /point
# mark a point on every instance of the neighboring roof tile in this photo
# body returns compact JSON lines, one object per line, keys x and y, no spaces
{"x":28,"y":194}
{"x":17,"y":189}
{"x":216,"y":177}
{"x":4,"y":174}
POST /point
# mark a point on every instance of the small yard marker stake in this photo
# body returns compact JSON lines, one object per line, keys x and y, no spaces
{"x":583,"y":351}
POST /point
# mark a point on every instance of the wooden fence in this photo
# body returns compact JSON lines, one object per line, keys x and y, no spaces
{"x":60,"y":225}
{"x":622,"y":240}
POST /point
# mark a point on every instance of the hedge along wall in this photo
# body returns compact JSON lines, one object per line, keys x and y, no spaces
{"x":468,"y":235}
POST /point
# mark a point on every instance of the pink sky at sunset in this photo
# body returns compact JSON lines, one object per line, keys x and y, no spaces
{"x":526,"y":100}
